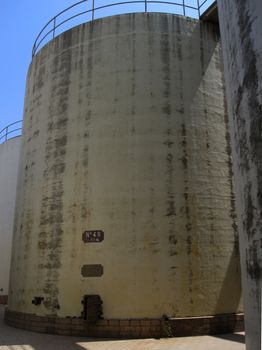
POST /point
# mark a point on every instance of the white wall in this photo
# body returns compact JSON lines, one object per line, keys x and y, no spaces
{"x":9,"y":159}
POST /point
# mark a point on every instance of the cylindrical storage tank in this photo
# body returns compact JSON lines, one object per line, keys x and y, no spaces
{"x":241,"y":34}
{"x":9,"y":159}
{"x":125,"y":188}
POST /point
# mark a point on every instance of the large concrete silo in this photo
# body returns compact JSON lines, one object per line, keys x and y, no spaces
{"x":125,"y":188}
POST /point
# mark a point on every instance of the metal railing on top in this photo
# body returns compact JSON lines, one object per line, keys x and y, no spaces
{"x":92,"y":8}
{"x":204,"y":4}
{"x":11,"y":131}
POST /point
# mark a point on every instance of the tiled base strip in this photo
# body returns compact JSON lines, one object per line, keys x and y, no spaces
{"x":128,"y":328}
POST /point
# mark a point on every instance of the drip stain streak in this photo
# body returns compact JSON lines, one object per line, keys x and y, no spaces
{"x":51,"y":213}
{"x":167,"y":114}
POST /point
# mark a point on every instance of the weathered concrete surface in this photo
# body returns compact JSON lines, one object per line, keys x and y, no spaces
{"x":125,"y":132}
{"x":9,"y":159}
{"x":241,"y":29}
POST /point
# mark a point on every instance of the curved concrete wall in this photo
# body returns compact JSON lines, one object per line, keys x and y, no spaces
{"x":125,"y":132}
{"x":241,"y":31}
{"x":9,"y":159}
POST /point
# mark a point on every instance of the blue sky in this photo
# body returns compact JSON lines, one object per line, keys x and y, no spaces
{"x":21,"y":22}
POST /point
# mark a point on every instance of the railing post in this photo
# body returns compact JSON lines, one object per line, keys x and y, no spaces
{"x":93,"y":10}
{"x":198,"y":6}
{"x":6,"y":133}
{"x":145,"y":5}
{"x":54,"y":27}
{"x":184,"y":9}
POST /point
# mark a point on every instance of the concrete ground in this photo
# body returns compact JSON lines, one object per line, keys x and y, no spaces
{"x":17,"y":339}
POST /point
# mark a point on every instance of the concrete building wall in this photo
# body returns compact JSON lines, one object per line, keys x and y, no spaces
{"x":126,"y":132}
{"x":241,"y":30}
{"x":9,"y":159}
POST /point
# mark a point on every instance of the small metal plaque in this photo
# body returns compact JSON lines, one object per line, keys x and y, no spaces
{"x":94,"y":270}
{"x":94,"y":236}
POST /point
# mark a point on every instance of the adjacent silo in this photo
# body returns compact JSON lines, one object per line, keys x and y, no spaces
{"x":9,"y":159}
{"x":125,"y":188}
{"x":241,"y":33}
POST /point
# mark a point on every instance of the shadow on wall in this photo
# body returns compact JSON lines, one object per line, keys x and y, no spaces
{"x":192,"y":75}
{"x":195,"y":78}
{"x":229,"y":286}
